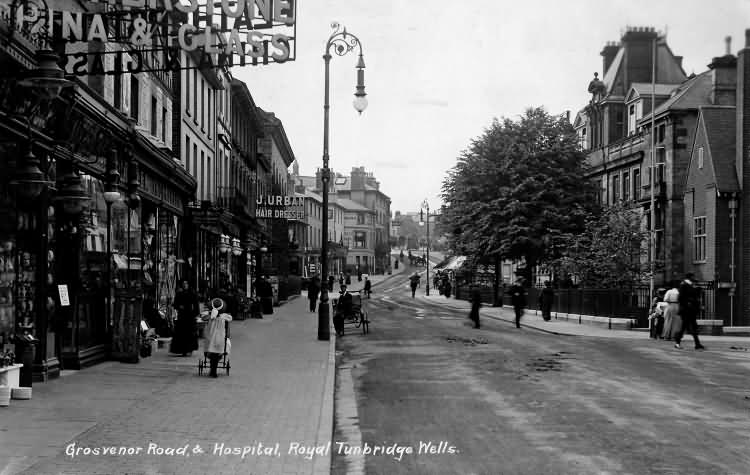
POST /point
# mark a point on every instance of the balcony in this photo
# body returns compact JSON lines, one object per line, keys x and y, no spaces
{"x":234,"y":201}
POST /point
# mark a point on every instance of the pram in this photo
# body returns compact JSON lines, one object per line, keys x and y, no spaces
{"x":357,"y":316}
{"x":204,"y":364}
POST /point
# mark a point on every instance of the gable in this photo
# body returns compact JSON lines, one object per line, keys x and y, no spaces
{"x":715,"y":133}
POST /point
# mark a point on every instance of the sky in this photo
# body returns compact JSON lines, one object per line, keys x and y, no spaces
{"x":439,"y":71}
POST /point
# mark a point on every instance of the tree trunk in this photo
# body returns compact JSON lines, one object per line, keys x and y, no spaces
{"x":496,"y":287}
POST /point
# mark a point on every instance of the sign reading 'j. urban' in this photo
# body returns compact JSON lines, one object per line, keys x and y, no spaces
{"x":155,"y":32}
{"x":280,"y":207}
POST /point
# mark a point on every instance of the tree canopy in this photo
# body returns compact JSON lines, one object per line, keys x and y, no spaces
{"x":519,"y":183}
{"x":610,"y":252}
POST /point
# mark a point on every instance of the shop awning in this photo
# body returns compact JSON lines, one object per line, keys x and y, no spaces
{"x":121,"y":262}
{"x":454,"y":263}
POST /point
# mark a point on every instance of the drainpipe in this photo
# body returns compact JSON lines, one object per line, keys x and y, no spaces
{"x":732,"y":216}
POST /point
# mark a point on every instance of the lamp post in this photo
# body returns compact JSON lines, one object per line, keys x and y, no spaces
{"x":111,"y":195}
{"x":426,"y":205}
{"x":342,"y":43}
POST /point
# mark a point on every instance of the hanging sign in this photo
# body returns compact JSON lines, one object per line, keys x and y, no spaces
{"x":151,"y":34}
{"x":62,"y":292}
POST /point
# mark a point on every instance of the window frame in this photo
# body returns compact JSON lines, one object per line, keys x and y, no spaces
{"x":699,"y":239}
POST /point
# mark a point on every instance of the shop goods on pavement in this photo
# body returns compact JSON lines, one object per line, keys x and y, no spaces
{"x":4,"y":396}
{"x":22,"y":392}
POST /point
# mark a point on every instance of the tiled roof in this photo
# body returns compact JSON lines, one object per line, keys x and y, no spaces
{"x":691,"y":94}
{"x":344,"y":183}
{"x":309,"y":194}
{"x":643,"y":89}
{"x":721,"y":129}
{"x":350,"y":205}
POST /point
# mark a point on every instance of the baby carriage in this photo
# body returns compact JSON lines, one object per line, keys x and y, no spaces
{"x":205,"y":362}
{"x":350,"y":311}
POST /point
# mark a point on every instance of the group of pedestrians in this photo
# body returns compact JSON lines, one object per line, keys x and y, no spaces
{"x":517,"y":299}
{"x":674,"y":312}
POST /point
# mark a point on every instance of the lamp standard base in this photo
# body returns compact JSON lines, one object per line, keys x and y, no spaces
{"x":324,"y":330}
{"x":427,"y":290}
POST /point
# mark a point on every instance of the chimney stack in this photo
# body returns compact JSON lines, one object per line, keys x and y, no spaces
{"x":608,"y":55}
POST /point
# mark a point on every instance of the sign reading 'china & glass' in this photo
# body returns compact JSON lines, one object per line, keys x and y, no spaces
{"x":151,"y":34}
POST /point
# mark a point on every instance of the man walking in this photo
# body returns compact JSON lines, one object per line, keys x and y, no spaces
{"x":518,"y":299}
{"x":546,"y":298}
{"x":414,"y":282}
{"x":476,"y":303}
{"x":313,"y":289}
{"x":689,"y":303}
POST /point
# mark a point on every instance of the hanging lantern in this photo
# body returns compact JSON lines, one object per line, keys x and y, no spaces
{"x":224,"y":245}
{"x":28,"y":179}
{"x":236,"y":248}
{"x":71,"y":194}
{"x":133,"y":199}
{"x":112,"y":178}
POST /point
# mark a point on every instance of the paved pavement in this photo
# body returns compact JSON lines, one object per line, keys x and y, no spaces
{"x":279,"y":393}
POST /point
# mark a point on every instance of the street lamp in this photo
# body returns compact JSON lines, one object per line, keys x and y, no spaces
{"x":422,"y":222}
{"x":111,"y":195}
{"x":342,"y":43}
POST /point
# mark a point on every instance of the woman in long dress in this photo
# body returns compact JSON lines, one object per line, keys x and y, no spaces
{"x":672,"y":320}
{"x":185,"y":340}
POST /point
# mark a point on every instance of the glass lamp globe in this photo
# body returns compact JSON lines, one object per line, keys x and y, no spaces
{"x":360,"y":103}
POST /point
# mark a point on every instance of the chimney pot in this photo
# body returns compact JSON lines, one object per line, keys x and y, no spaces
{"x":747,"y":38}
{"x":728,"y":41}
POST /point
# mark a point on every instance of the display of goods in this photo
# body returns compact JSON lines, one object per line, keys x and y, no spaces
{"x":20,"y":393}
{"x":4,"y":396}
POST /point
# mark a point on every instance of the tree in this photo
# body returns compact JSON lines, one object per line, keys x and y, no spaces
{"x":610,"y":252}
{"x":514,"y":186}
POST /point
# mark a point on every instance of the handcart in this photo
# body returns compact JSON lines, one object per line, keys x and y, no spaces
{"x":204,"y":364}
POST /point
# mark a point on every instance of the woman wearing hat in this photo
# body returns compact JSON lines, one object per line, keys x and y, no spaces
{"x":216,"y":335}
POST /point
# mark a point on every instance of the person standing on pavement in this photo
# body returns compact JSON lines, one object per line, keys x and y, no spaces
{"x":368,"y":287}
{"x":312,"y":292}
{"x":689,"y":304}
{"x":331,"y":279}
{"x":414,"y":283}
{"x":656,"y":314}
{"x":672,"y":320}
{"x":216,"y":344}
{"x":546,"y":298}
{"x":518,"y":299}
{"x":476,"y":303}
{"x":185,"y":340}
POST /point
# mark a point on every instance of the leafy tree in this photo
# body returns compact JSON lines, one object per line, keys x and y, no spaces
{"x":610,"y":252}
{"x":514,"y":186}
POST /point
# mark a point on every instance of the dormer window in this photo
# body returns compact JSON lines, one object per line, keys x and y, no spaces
{"x":635,"y":111}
